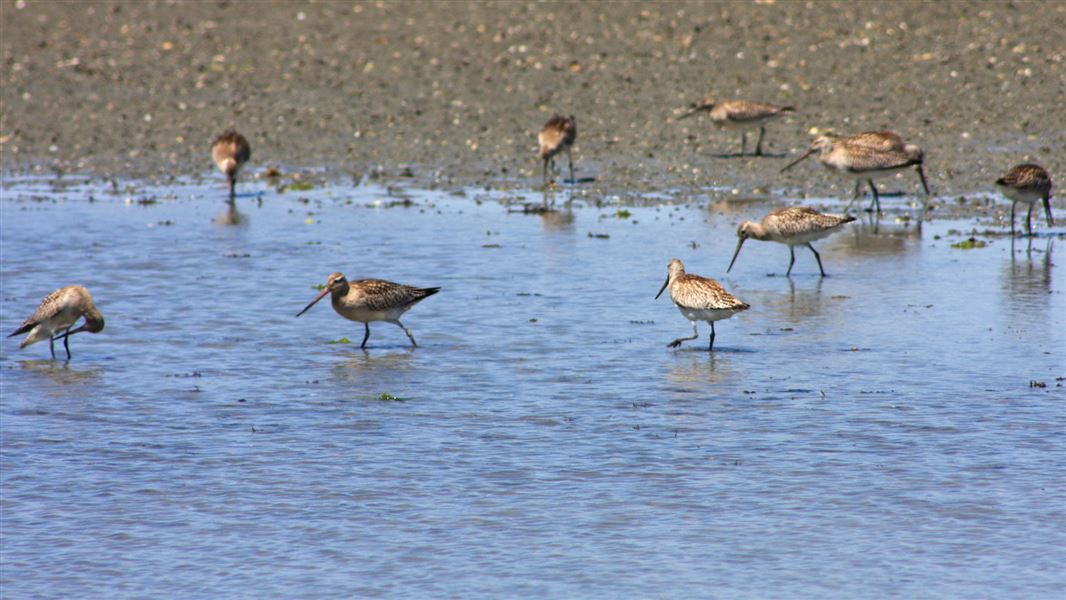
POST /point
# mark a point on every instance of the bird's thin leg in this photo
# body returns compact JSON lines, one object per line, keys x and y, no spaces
{"x":758,"y":145}
{"x":405,"y":330}
{"x":52,"y":347}
{"x":570,"y":159}
{"x":1029,"y":220}
{"x":232,"y":187}
{"x":877,"y":198}
{"x":66,"y":342}
{"x":677,"y":342}
{"x":366,"y":336}
{"x":546,"y":172}
{"x":791,"y":260}
{"x":710,"y":346}
{"x":1013,"y":204}
{"x":817,"y":258}
{"x":854,"y":195}
{"x":743,"y":142}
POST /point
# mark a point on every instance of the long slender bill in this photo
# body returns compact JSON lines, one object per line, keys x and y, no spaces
{"x":665,"y":283}
{"x":694,"y":111}
{"x":317,"y":298}
{"x":736,"y":253}
{"x":795,"y":162}
{"x":71,"y":332}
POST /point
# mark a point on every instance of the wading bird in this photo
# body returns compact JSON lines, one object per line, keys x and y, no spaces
{"x":792,"y":226}
{"x":58,"y":312}
{"x":368,"y":300}
{"x":740,"y":115}
{"x":698,"y":299}
{"x":230,"y":151}
{"x":1027,"y":183}
{"x":557,"y":134}
{"x":866,"y":156}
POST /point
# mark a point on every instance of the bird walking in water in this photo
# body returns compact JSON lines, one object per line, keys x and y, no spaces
{"x":698,"y":299}
{"x":58,"y":312}
{"x":740,"y":115}
{"x":557,"y":134}
{"x":792,"y":226}
{"x":230,"y":151}
{"x":368,"y":300}
{"x":1027,"y":183}
{"x":866,"y":156}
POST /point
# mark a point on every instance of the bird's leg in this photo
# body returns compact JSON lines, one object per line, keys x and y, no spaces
{"x":52,"y":347}
{"x":743,"y":142}
{"x":232,"y":187}
{"x":854,"y":194}
{"x":570,"y":159}
{"x":1029,"y":220}
{"x":677,"y":342}
{"x":791,"y":260}
{"x":66,"y":342}
{"x":758,"y":145}
{"x":817,"y":258}
{"x":1013,"y":204}
{"x":876,"y":198}
{"x":546,"y":172}
{"x":366,"y":336}
{"x":405,"y":330}
{"x":710,"y":346}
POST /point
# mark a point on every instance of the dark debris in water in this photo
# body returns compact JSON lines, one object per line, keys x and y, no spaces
{"x":599,"y":236}
{"x":969,"y":244}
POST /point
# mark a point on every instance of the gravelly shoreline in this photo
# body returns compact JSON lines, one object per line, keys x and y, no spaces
{"x":453,"y":93}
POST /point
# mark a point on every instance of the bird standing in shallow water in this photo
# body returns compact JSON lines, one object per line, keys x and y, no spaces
{"x":1027,"y":183}
{"x":792,"y":226}
{"x":740,"y":115}
{"x":698,"y":299}
{"x":558,"y":133}
{"x":866,"y":156}
{"x":369,"y":300}
{"x":59,"y":311}
{"x":230,"y":151}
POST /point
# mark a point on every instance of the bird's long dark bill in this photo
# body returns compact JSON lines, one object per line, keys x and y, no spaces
{"x":73,"y":331}
{"x":736,"y":253}
{"x":921,"y":174}
{"x":317,"y":298}
{"x":797,"y":161}
{"x":665,"y":283}
{"x":1047,"y":212}
{"x":694,"y":111}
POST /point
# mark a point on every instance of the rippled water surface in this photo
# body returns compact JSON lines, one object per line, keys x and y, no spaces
{"x":893,"y":430}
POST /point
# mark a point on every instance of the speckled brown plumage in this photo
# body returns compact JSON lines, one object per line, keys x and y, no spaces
{"x":699,"y":299}
{"x":742,"y":115}
{"x":230,"y":151}
{"x":792,"y":226}
{"x":59,"y":311}
{"x":1027,"y":183}
{"x":558,"y":133}
{"x":367,"y":300}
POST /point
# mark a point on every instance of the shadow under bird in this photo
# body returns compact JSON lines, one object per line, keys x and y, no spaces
{"x":230,"y":151}
{"x":866,"y":156}
{"x":55,"y":316}
{"x":698,"y":299}
{"x":558,"y":133}
{"x":368,"y":300}
{"x":740,"y":115}
{"x":792,"y":226}
{"x":1027,"y":183}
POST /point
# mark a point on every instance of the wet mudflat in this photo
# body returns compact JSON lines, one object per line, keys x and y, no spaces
{"x":894,"y":429}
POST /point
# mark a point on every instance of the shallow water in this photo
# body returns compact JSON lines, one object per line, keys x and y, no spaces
{"x":871,"y":434}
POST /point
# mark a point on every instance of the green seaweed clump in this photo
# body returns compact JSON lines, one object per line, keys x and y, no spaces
{"x":969,"y":244}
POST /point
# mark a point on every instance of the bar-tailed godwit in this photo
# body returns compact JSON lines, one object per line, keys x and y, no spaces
{"x":368,"y":300}
{"x":698,"y":299}
{"x":740,"y":115}
{"x":866,"y":156}
{"x":1027,"y":183}
{"x":58,"y":312}
{"x":230,"y":151}
{"x":792,"y":226}
{"x":558,"y":133}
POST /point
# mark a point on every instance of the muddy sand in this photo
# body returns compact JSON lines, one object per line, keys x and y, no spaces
{"x":453,"y":93}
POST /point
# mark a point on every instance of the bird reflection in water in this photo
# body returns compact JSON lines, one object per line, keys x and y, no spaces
{"x":1027,"y":283}
{"x":231,"y":216}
